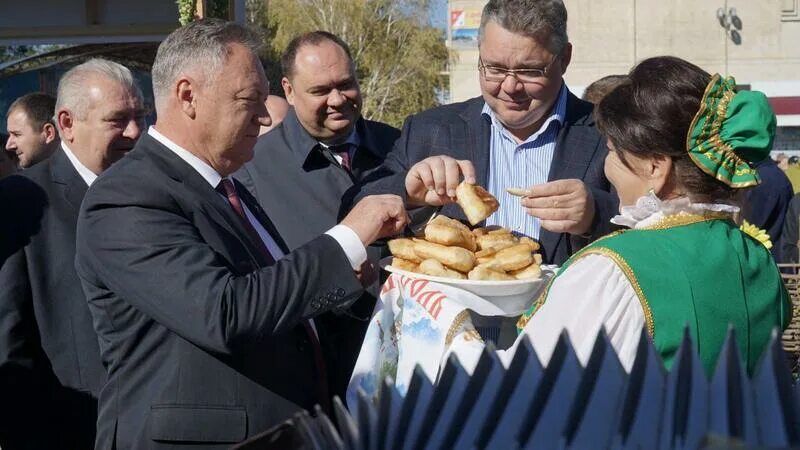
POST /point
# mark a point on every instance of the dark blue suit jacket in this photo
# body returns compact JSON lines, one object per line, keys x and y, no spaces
{"x":766,"y":204}
{"x":461,"y":131}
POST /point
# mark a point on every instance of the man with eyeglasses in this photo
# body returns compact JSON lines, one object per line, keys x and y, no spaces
{"x":525,"y":131}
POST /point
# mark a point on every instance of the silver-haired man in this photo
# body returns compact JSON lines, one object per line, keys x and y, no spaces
{"x":205,"y":317}
{"x":50,"y":368}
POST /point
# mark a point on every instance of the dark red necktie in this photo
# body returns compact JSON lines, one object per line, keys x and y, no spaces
{"x":343,"y":150}
{"x":226,"y":188}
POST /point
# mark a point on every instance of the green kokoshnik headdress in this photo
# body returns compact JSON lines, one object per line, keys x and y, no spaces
{"x":730,"y":131}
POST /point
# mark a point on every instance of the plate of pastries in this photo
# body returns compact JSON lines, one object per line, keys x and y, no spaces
{"x":488,"y":261}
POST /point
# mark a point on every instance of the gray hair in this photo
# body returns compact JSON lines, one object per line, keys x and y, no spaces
{"x":533,"y":18}
{"x":72,"y":86}
{"x":201,"y":45}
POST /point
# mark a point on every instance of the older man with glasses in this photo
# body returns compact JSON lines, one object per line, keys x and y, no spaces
{"x":525,"y":131}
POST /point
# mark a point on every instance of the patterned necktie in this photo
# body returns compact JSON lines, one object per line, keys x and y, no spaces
{"x":226,"y":188}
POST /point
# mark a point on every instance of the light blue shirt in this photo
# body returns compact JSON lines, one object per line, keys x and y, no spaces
{"x":513,"y":165}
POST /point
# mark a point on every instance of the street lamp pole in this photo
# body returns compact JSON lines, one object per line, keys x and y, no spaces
{"x":730,"y":21}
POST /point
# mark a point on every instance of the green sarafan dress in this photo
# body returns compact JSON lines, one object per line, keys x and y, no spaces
{"x":695,"y":270}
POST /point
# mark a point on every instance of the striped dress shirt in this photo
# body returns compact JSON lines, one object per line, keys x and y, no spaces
{"x":520,"y":166}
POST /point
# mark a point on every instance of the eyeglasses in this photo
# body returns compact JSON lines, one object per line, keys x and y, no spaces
{"x":499,"y":74}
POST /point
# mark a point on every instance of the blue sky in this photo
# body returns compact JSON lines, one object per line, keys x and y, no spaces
{"x":438,"y":13}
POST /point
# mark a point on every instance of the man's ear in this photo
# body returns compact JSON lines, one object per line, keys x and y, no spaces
{"x":50,"y":133}
{"x":187,"y":96}
{"x":65,"y":121}
{"x":288,"y":90}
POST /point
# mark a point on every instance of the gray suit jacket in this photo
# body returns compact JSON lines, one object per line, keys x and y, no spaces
{"x":300,"y":186}
{"x":50,"y":369}
{"x":200,"y":333}
{"x":461,"y":131}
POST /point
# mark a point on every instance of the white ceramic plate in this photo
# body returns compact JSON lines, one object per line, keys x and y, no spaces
{"x":513,"y":296}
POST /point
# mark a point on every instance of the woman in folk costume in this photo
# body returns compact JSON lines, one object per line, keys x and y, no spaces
{"x":680,"y":146}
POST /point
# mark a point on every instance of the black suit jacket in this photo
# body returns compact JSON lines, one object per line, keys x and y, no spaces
{"x":461,"y":131}
{"x":50,"y":369}
{"x":300,"y":186}
{"x":201,"y":338}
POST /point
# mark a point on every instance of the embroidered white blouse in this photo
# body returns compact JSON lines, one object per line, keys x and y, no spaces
{"x":593,"y":293}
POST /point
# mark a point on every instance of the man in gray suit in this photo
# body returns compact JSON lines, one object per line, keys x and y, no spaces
{"x":303,"y":167}
{"x":50,"y":368}
{"x":526,"y":131}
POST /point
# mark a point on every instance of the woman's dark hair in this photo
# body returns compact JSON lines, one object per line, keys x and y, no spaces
{"x":649,"y":114}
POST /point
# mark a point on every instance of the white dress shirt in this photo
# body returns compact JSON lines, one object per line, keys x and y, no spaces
{"x":87,"y":175}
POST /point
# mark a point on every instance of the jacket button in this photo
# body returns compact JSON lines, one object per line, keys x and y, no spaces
{"x":340,"y":292}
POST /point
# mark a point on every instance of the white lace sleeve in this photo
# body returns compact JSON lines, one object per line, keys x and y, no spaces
{"x":591,"y":293}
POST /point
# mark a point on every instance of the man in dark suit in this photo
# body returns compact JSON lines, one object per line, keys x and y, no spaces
{"x":205,"y":318}
{"x":526,"y":131}
{"x":312,"y":158}
{"x":50,"y":368}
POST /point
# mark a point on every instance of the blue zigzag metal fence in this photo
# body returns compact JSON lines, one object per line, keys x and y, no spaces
{"x":567,"y":406}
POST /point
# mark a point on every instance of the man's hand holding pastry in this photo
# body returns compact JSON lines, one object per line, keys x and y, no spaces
{"x":433,"y":180}
{"x":563,"y":206}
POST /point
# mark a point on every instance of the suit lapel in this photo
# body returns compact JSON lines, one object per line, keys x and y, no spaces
{"x":260,"y":214}
{"x":573,"y":154}
{"x":477,"y":129}
{"x":218,"y":208}
{"x":64,"y":174}
{"x":367,"y":157}
{"x":574,"y":149}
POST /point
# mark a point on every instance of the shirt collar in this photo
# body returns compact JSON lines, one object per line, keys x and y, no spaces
{"x":556,"y":115}
{"x":352,"y":139}
{"x":206,"y":171}
{"x":87,"y":175}
{"x":303,"y":144}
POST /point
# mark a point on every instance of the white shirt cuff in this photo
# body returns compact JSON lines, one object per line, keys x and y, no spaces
{"x":350,"y":243}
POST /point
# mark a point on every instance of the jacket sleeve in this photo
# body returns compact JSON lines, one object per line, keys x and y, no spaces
{"x":153,"y":256}
{"x":606,"y":206}
{"x":390,"y":176}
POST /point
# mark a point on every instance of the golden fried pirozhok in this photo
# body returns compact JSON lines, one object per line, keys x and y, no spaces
{"x":477,"y":203}
{"x":495,"y":241}
{"x":448,"y":233}
{"x":456,"y":258}
{"x":527,"y":273}
{"x":511,"y":258}
{"x":404,"y":264}
{"x":403,"y":248}
{"x":436,"y":269}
